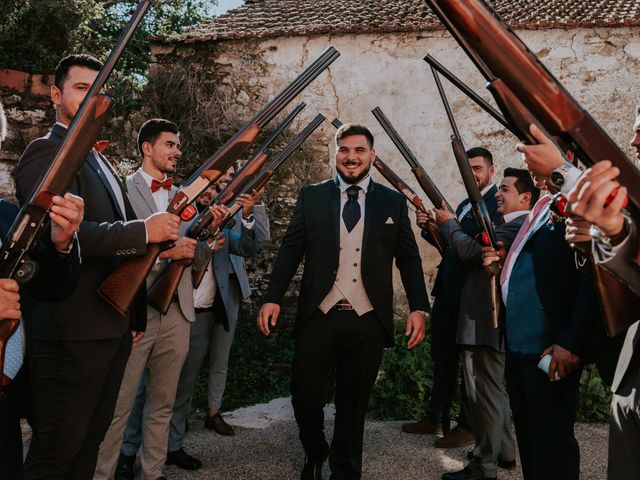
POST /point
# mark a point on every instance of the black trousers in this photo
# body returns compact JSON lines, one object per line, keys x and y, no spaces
{"x":544,"y":414}
{"x":75,"y":387}
{"x":15,"y":403}
{"x":343,"y":349}
{"x":445,"y":358}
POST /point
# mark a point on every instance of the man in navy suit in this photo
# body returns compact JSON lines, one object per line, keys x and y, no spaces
{"x":551,"y":307}
{"x":58,"y":259}
{"x":482,"y":343}
{"x":349,"y":230}
{"x":447,"y":289}
{"x":80,"y":346}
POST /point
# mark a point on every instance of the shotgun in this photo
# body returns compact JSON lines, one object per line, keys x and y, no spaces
{"x":161,"y":293}
{"x":120,"y":287}
{"x":424,"y":180}
{"x":258,"y":182}
{"x":67,"y":160}
{"x":528,"y":93}
{"x":475,"y":198}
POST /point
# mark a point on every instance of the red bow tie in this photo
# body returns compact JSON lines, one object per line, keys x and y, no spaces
{"x":101,"y":145}
{"x":166,"y":184}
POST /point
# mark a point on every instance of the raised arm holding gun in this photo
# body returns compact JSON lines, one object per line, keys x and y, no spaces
{"x":121,"y":285}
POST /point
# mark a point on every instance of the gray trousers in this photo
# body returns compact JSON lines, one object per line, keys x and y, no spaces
{"x":161,"y":352}
{"x":210,"y":337}
{"x":483,"y":372}
{"x":624,"y":430}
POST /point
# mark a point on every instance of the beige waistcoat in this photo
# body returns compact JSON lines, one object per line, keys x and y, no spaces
{"x":348,"y":283}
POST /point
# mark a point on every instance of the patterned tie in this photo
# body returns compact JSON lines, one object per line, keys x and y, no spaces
{"x":157,"y":185}
{"x":351,"y":210}
{"x":14,"y":354}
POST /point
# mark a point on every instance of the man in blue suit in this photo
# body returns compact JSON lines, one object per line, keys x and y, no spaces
{"x":447,"y":289}
{"x":550,"y":309}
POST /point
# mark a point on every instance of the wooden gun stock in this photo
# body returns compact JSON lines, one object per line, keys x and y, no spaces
{"x":116,"y":286}
{"x":528,"y":93}
{"x":161,"y":293}
{"x":67,"y":160}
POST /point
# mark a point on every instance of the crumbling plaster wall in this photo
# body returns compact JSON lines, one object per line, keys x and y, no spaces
{"x":598,"y":66}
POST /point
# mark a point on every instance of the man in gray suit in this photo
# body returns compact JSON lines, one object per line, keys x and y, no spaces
{"x":164,"y":347}
{"x":483,"y":346}
{"x":615,"y":247}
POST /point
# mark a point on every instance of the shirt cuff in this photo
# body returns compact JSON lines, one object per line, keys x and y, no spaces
{"x":249,"y":223}
{"x":573,"y":174}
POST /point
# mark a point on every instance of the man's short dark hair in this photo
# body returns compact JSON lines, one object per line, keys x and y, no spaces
{"x":524,"y":182}
{"x":349,"y":129}
{"x":481,"y":152}
{"x":75,"y":60}
{"x":151,"y":130}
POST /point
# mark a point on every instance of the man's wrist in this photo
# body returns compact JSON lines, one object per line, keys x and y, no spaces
{"x":424,"y":314}
{"x":66,"y":250}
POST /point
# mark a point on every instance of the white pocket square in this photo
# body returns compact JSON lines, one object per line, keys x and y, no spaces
{"x":389,"y":221}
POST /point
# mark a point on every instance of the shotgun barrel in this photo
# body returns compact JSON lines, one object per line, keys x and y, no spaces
{"x":120,"y":287}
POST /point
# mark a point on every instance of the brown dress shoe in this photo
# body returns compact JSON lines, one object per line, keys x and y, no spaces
{"x":218,"y":425}
{"x":424,"y":427}
{"x":458,"y":437}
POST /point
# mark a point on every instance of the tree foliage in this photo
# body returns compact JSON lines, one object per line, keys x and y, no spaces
{"x":35,"y":34}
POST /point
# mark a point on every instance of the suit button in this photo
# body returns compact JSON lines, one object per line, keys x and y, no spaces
{"x":355,"y":264}
{"x":354,"y":280}
{"x":335,"y":272}
{"x":357,"y":249}
{"x":133,"y":250}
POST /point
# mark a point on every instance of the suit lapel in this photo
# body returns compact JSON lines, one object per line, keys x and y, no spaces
{"x":92,"y":161}
{"x":335,"y":209}
{"x":144,"y":191}
{"x":369,"y":212}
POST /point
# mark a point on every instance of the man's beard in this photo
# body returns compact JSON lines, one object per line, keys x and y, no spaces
{"x":356,"y":179}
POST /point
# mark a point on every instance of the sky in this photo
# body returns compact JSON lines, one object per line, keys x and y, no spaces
{"x":224,"y":5}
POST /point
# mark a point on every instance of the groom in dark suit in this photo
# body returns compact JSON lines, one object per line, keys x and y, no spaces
{"x":79,"y":348}
{"x":349,"y":230}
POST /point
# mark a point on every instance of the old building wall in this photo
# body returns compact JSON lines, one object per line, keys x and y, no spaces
{"x":598,"y":66}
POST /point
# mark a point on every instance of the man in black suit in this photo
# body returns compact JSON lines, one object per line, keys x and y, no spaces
{"x":79,"y":347}
{"x":58,"y":259}
{"x":445,"y":352}
{"x":349,"y":230}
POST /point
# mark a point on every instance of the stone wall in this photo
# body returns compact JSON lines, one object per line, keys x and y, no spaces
{"x":598,"y":66}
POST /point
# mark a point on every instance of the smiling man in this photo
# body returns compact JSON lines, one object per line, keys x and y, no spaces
{"x":163,"y":349}
{"x":80,"y":346}
{"x":349,"y":230}
{"x":483,"y":356}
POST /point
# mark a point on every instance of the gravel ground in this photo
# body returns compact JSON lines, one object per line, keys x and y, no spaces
{"x":266,"y":447}
{"x":275,"y":453}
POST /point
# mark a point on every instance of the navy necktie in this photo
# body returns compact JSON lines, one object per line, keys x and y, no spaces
{"x":351,"y":210}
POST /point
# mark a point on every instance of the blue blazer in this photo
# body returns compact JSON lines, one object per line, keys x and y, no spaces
{"x":549,"y":300}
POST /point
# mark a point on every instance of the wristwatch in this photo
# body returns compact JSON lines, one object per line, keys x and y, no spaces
{"x":559,"y":175}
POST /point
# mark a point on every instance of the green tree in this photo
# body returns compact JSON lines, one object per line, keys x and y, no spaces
{"x":35,"y":34}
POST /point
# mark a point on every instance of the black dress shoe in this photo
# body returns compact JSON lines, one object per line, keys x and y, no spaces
{"x":506,"y":464}
{"x":465,"y":474}
{"x":218,"y":425}
{"x":183,"y":460}
{"x":311,"y":470}
{"x":124,"y":469}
